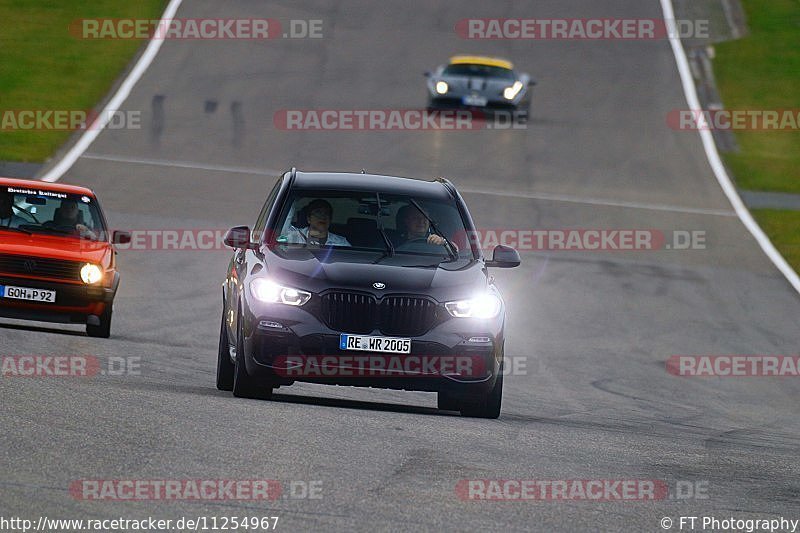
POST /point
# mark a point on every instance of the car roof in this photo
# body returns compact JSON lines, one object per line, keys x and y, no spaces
{"x":45,"y":186}
{"x":481,"y":60}
{"x":369,"y":182}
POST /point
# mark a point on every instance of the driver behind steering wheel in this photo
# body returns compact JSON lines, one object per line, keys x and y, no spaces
{"x":68,"y":217}
{"x":413,"y":226}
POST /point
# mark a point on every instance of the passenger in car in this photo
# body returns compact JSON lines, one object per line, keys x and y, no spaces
{"x":8,"y":219}
{"x":318,"y":215}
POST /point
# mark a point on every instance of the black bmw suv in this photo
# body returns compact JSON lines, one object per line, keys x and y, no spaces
{"x":364,"y":280}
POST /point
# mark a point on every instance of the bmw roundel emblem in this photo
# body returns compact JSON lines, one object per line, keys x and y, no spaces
{"x":378,"y":285}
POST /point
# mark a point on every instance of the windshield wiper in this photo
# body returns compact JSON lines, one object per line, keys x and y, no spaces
{"x":389,"y":246}
{"x":449,"y":246}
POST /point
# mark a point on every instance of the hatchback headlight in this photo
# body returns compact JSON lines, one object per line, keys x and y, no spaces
{"x":483,"y":306}
{"x":442,"y":87}
{"x":509,"y":93}
{"x":91,"y":274}
{"x":268,"y":291}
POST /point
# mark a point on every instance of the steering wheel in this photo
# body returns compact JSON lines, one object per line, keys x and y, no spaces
{"x":419,"y":244}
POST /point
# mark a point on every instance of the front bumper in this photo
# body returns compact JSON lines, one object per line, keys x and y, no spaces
{"x":457,"y":355}
{"x":75,"y":303}
{"x":456,"y":102}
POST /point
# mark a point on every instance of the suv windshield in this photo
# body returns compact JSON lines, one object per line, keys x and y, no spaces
{"x":485,"y":71}
{"x":352,"y":220}
{"x":50,"y":212}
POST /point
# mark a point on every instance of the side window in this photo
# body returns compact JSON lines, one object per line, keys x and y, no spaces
{"x":258,"y":228}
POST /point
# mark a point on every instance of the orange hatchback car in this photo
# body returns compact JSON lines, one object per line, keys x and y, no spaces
{"x":57,"y":259}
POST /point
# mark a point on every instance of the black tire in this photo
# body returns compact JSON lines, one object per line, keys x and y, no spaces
{"x":103,"y":331}
{"x":487,"y":406}
{"x":225,"y":366}
{"x":244,"y":385}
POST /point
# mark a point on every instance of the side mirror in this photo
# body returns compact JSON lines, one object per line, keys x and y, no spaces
{"x":531,"y":83}
{"x":238,"y":237}
{"x":427,"y":74}
{"x":504,"y":257}
{"x":121,"y":237}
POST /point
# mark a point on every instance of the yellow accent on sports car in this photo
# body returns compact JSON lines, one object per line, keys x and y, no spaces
{"x":481,"y":60}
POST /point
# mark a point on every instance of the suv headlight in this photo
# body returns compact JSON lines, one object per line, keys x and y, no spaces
{"x":509,"y":93}
{"x":483,"y":306}
{"x":268,"y":291}
{"x":91,"y":274}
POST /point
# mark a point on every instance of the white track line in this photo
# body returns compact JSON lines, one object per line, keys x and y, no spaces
{"x":466,"y":190}
{"x":66,"y":162}
{"x":183,"y":164}
{"x":602,"y":201}
{"x":716,"y":162}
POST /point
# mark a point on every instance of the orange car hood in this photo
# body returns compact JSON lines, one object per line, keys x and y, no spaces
{"x":54,"y":247}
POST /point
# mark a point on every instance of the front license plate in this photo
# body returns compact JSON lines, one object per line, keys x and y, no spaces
{"x":26,"y":293}
{"x":364,"y":343}
{"x":475,"y":100}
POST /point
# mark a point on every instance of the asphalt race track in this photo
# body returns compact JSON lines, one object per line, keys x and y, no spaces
{"x":593,"y":328}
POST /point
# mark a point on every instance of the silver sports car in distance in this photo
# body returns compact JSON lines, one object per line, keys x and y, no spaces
{"x":479,"y":82}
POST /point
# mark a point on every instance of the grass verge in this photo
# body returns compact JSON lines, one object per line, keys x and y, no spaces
{"x":762,"y":71}
{"x":783,"y":229}
{"x":45,"y":67}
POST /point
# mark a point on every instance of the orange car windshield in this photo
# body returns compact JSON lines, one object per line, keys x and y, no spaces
{"x":50,"y":212}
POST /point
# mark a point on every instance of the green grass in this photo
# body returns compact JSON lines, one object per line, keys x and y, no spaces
{"x":762,"y":71}
{"x":43,"y":66}
{"x":783,"y":229}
